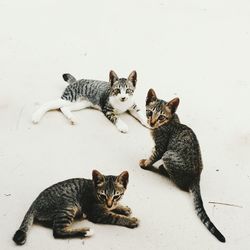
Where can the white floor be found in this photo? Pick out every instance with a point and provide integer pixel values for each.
(198, 50)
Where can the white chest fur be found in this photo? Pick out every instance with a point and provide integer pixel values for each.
(121, 107)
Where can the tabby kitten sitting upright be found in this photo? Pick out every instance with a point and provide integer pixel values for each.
(112, 98)
(96, 199)
(177, 146)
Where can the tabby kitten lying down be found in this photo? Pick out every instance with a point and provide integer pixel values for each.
(112, 98)
(177, 146)
(96, 199)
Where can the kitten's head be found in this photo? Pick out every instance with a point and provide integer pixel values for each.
(122, 89)
(109, 189)
(158, 111)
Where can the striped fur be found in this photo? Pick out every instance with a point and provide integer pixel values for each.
(177, 146)
(112, 98)
(97, 199)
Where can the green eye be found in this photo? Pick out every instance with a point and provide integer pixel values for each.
(129, 91)
(117, 91)
(162, 117)
(102, 196)
(117, 196)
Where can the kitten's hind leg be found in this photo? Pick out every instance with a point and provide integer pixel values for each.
(62, 226)
(179, 172)
(74, 107)
(67, 113)
(56, 104)
(161, 170)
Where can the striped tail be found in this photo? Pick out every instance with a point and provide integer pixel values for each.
(195, 190)
(21, 234)
(68, 78)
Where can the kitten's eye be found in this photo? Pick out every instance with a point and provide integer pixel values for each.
(149, 113)
(102, 196)
(117, 91)
(162, 117)
(129, 91)
(117, 196)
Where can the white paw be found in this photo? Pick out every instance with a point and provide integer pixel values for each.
(89, 233)
(35, 118)
(122, 127)
(73, 121)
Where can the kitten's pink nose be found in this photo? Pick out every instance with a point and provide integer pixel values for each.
(110, 203)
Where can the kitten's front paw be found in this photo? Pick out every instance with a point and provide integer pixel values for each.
(73, 121)
(144, 163)
(127, 211)
(122, 127)
(35, 118)
(133, 222)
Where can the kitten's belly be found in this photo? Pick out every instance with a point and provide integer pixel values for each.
(83, 103)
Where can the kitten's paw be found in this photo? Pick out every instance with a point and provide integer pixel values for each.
(35, 118)
(84, 216)
(133, 222)
(127, 211)
(122, 127)
(89, 232)
(144, 163)
(73, 121)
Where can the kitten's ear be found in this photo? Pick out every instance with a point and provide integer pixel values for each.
(151, 97)
(173, 104)
(97, 178)
(133, 77)
(123, 178)
(112, 77)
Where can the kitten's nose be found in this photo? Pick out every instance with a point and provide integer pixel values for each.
(152, 123)
(123, 99)
(109, 203)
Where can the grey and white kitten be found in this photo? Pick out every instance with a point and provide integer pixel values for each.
(177, 146)
(97, 200)
(112, 98)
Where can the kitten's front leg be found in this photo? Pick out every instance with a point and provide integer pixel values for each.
(104, 216)
(124, 210)
(147, 163)
(110, 114)
(137, 114)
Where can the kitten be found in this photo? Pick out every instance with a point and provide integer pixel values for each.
(96, 199)
(177, 146)
(112, 98)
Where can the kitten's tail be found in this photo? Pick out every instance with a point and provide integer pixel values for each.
(68, 78)
(195, 190)
(56, 104)
(21, 234)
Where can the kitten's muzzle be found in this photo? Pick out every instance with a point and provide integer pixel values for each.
(109, 203)
(123, 99)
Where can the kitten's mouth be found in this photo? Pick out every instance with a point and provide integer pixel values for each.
(110, 208)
